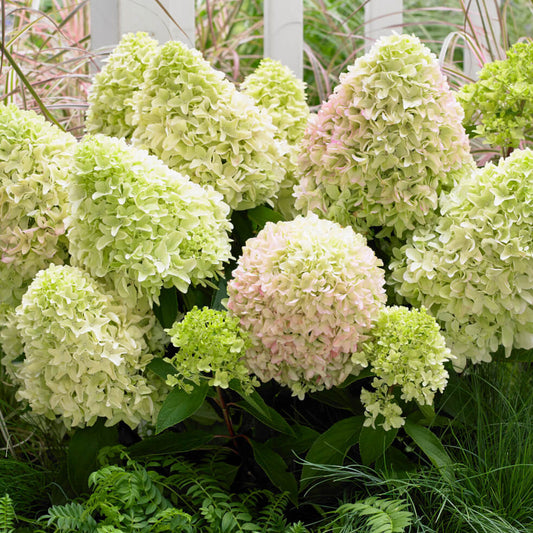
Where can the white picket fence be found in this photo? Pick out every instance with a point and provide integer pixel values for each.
(283, 24)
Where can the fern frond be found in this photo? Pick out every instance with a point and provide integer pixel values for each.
(298, 527)
(379, 515)
(71, 517)
(7, 514)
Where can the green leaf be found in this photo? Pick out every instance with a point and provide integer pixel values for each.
(256, 406)
(161, 368)
(275, 468)
(220, 295)
(429, 443)
(180, 405)
(288, 446)
(170, 443)
(374, 442)
(83, 450)
(365, 373)
(167, 310)
(332, 446)
(262, 214)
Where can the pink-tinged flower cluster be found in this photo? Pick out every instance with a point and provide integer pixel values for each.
(385, 144)
(308, 292)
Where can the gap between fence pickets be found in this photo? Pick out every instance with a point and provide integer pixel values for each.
(283, 24)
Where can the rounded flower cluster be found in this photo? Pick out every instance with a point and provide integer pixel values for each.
(473, 270)
(499, 106)
(110, 98)
(34, 160)
(210, 342)
(197, 123)
(308, 292)
(385, 144)
(141, 224)
(84, 352)
(273, 87)
(406, 351)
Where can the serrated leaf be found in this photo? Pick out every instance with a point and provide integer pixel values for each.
(179, 405)
(275, 468)
(429, 443)
(332, 446)
(374, 442)
(220, 295)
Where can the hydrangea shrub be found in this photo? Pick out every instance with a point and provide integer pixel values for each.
(274, 87)
(307, 291)
(472, 269)
(84, 352)
(197, 122)
(110, 97)
(34, 161)
(499, 106)
(140, 224)
(213, 343)
(408, 352)
(385, 144)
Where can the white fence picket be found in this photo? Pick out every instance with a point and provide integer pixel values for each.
(284, 33)
(382, 17)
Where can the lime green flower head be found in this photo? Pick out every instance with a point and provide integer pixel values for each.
(110, 98)
(406, 351)
(273, 87)
(84, 352)
(499, 106)
(213, 343)
(385, 144)
(472, 269)
(140, 224)
(35, 157)
(197, 123)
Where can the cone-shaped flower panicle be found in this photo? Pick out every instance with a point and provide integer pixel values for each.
(84, 352)
(276, 89)
(499, 106)
(141, 224)
(386, 143)
(34, 159)
(406, 351)
(197, 122)
(473, 269)
(308, 292)
(110, 98)
(211, 343)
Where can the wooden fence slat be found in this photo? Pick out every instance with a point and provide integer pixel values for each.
(382, 17)
(110, 19)
(283, 37)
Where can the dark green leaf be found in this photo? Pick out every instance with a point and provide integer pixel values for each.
(374, 442)
(256, 406)
(429, 443)
(220, 295)
(288, 446)
(161, 368)
(337, 398)
(275, 468)
(332, 446)
(179, 405)
(262, 214)
(167, 310)
(83, 450)
(365, 373)
(170, 443)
